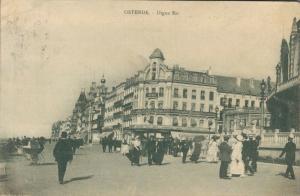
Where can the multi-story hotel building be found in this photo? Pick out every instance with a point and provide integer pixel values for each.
(167, 100)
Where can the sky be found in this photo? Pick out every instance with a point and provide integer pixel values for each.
(51, 50)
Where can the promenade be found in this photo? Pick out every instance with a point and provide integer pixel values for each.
(95, 173)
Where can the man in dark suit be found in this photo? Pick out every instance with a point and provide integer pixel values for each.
(246, 154)
(289, 151)
(184, 148)
(254, 143)
(63, 153)
(225, 157)
(150, 146)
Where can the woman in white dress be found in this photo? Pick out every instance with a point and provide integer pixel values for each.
(212, 153)
(237, 164)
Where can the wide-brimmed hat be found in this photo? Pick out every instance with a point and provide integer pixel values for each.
(240, 138)
(291, 136)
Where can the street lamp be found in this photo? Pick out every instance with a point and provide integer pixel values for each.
(209, 128)
(262, 93)
(216, 124)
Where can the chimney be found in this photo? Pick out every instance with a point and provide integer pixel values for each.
(251, 82)
(238, 81)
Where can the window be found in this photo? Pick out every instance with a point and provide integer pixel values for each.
(146, 104)
(145, 118)
(201, 107)
(201, 123)
(175, 121)
(183, 105)
(211, 108)
(160, 104)
(184, 93)
(230, 102)
(193, 94)
(237, 103)
(252, 104)
(202, 95)
(193, 106)
(246, 103)
(153, 75)
(211, 96)
(175, 92)
(147, 90)
(153, 90)
(161, 91)
(222, 101)
(193, 122)
(152, 104)
(175, 105)
(184, 122)
(151, 120)
(159, 120)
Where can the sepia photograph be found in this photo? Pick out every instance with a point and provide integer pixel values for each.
(149, 98)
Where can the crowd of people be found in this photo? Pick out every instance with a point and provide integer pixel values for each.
(238, 153)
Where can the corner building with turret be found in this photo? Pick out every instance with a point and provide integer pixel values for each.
(172, 101)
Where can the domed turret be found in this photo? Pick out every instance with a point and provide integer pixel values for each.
(157, 53)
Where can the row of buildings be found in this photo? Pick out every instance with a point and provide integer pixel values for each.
(170, 101)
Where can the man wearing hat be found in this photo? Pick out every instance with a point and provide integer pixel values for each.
(225, 157)
(63, 153)
(184, 148)
(150, 146)
(289, 151)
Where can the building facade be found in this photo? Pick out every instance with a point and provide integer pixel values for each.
(174, 100)
(284, 101)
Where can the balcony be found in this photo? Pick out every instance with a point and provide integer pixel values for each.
(171, 112)
(152, 95)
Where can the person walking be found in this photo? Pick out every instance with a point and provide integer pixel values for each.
(196, 151)
(150, 146)
(289, 151)
(110, 144)
(246, 155)
(254, 143)
(225, 157)
(63, 154)
(104, 143)
(212, 153)
(237, 164)
(184, 148)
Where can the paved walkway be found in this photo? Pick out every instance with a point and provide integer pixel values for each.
(95, 173)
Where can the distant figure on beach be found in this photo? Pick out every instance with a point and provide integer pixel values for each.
(63, 153)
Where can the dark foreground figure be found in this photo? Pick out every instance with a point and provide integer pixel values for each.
(63, 153)
(289, 151)
(225, 157)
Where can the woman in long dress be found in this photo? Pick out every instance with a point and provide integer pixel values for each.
(212, 153)
(237, 164)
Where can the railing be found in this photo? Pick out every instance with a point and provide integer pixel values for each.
(278, 139)
(151, 95)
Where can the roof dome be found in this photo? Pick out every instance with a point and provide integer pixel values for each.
(157, 53)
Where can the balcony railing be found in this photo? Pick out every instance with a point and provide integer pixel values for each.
(151, 95)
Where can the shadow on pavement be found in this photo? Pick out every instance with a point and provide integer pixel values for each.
(281, 174)
(78, 178)
(41, 164)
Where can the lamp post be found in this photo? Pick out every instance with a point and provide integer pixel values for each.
(209, 128)
(216, 124)
(262, 93)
